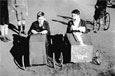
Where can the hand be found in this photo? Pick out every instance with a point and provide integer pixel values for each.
(34, 32)
(82, 29)
(44, 32)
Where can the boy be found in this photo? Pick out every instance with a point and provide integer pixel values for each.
(41, 26)
(76, 26)
(21, 9)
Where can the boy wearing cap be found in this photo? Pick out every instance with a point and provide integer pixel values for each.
(40, 26)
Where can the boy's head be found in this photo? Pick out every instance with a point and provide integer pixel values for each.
(75, 14)
(40, 16)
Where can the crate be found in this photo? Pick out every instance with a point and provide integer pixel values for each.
(37, 49)
(80, 53)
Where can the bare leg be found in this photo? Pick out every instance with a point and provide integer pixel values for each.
(6, 32)
(78, 35)
(2, 30)
(23, 27)
(83, 29)
(6, 29)
(19, 26)
(101, 21)
(3, 34)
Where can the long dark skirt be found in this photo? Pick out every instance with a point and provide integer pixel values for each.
(4, 16)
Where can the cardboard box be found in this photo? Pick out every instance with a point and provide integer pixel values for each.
(81, 53)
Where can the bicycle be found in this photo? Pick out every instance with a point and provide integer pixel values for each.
(106, 21)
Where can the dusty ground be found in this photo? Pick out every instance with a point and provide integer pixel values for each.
(104, 39)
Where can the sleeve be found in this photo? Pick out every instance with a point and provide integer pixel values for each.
(69, 27)
(46, 27)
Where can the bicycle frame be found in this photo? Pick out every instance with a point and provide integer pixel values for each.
(105, 23)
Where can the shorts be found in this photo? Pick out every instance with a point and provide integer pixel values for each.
(20, 13)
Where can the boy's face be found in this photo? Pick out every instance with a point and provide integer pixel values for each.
(40, 19)
(75, 16)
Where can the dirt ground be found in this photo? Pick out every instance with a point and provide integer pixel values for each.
(105, 40)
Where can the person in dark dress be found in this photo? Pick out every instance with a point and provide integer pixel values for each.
(4, 20)
(100, 9)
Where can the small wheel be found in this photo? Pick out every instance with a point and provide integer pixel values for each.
(18, 65)
(97, 59)
(107, 21)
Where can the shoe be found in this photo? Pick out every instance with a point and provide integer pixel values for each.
(50, 62)
(7, 38)
(58, 65)
(4, 39)
(96, 61)
(95, 31)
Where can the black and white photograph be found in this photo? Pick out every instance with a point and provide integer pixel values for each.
(57, 37)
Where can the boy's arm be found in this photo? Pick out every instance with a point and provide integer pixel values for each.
(43, 32)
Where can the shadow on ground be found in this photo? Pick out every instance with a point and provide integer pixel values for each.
(12, 27)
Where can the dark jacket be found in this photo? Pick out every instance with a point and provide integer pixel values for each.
(35, 26)
(100, 8)
(102, 4)
(70, 23)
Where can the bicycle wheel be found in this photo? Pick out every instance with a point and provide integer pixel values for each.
(96, 26)
(106, 21)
